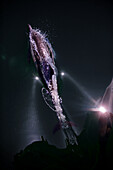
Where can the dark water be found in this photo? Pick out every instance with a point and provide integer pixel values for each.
(81, 34)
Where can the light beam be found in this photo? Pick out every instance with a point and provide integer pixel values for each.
(81, 88)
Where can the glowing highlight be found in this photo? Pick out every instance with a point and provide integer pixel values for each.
(62, 73)
(36, 78)
(102, 109)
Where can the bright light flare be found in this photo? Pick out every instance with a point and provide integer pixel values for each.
(62, 73)
(36, 78)
(102, 109)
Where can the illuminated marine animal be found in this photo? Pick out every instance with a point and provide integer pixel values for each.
(43, 56)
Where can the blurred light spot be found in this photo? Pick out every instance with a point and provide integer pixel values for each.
(102, 109)
(62, 73)
(36, 78)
